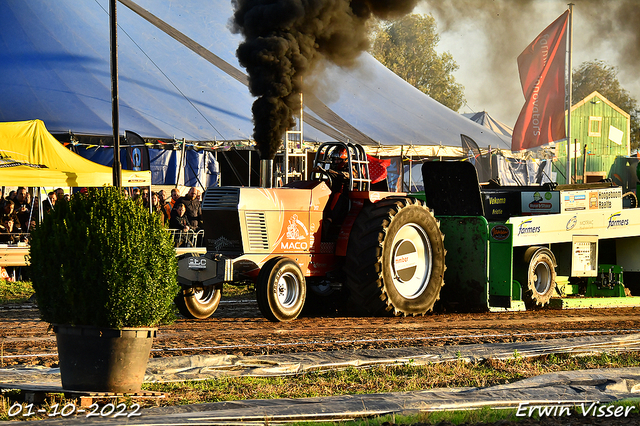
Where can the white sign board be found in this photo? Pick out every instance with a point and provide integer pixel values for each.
(575, 149)
(615, 135)
(584, 259)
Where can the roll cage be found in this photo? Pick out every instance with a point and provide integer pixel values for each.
(357, 167)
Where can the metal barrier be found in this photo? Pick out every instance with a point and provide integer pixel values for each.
(16, 252)
(180, 238)
(187, 238)
(14, 239)
(14, 249)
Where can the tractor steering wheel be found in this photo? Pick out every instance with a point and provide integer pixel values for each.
(327, 176)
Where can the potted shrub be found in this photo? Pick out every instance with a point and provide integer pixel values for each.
(104, 275)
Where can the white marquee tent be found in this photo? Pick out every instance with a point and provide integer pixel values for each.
(54, 57)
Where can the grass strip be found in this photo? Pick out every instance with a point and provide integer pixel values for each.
(21, 291)
(15, 292)
(379, 379)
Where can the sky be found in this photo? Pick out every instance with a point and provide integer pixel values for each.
(485, 38)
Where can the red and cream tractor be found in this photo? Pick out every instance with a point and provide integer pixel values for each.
(303, 241)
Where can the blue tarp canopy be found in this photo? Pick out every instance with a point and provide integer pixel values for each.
(54, 62)
(194, 168)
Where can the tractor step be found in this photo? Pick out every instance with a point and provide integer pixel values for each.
(594, 302)
(516, 305)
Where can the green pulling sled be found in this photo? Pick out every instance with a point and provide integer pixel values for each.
(517, 248)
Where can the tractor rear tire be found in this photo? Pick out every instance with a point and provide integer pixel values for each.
(537, 276)
(281, 289)
(198, 302)
(395, 258)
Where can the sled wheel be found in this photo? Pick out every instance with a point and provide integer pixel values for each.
(395, 259)
(538, 276)
(281, 290)
(198, 302)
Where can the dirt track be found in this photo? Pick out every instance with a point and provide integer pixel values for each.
(239, 328)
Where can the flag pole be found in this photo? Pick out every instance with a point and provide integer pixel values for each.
(115, 115)
(570, 97)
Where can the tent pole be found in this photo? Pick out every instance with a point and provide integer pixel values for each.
(584, 164)
(410, 172)
(401, 186)
(40, 208)
(197, 173)
(490, 165)
(219, 178)
(181, 162)
(115, 120)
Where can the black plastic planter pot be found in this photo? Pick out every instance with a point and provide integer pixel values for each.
(103, 359)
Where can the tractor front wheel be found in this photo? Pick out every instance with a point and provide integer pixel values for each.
(198, 302)
(281, 289)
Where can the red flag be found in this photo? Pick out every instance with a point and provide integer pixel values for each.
(377, 169)
(542, 75)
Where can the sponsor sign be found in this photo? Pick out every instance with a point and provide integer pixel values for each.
(500, 233)
(617, 221)
(197, 263)
(405, 260)
(500, 205)
(496, 205)
(296, 235)
(610, 198)
(527, 227)
(583, 200)
(574, 201)
(540, 202)
(223, 243)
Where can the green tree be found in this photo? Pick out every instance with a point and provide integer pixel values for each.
(598, 75)
(408, 48)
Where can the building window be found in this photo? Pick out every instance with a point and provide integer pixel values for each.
(595, 126)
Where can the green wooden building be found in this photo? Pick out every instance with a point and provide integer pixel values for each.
(602, 130)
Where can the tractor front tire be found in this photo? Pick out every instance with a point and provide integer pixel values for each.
(198, 302)
(281, 289)
(395, 258)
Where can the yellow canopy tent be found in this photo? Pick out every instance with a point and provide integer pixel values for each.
(21, 175)
(29, 144)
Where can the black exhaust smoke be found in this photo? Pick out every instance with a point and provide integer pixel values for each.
(285, 39)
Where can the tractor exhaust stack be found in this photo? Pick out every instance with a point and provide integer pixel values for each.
(266, 173)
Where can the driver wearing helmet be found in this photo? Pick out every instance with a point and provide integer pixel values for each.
(338, 204)
(338, 170)
(339, 157)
